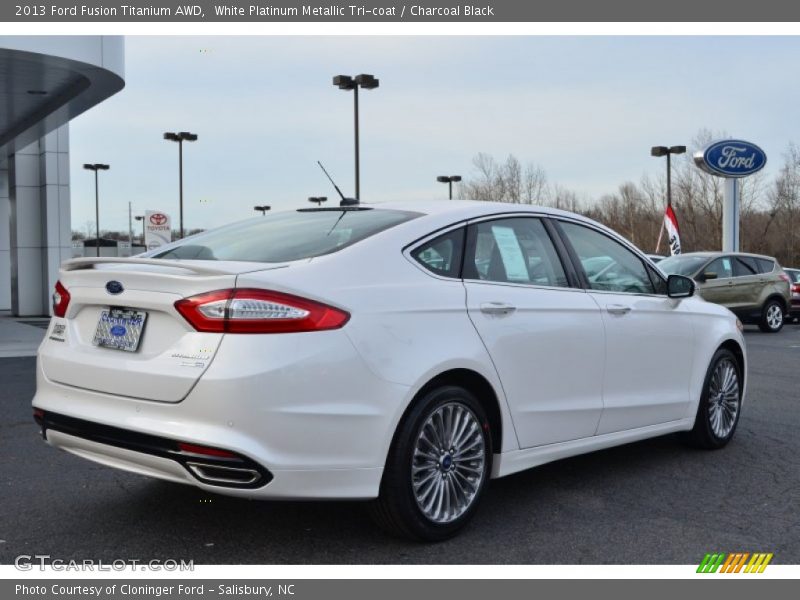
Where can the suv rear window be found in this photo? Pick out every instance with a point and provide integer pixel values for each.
(286, 236)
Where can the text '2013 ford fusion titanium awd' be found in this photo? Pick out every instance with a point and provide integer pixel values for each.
(402, 353)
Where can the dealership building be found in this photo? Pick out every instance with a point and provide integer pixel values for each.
(44, 82)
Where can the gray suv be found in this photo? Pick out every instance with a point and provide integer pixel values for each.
(754, 287)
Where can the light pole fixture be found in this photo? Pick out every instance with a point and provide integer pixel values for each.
(345, 82)
(668, 152)
(449, 180)
(180, 137)
(262, 209)
(141, 218)
(318, 200)
(96, 167)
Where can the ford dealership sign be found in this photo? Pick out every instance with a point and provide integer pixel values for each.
(731, 158)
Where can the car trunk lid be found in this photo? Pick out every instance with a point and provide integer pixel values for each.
(171, 355)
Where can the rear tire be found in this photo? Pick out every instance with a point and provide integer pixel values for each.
(437, 468)
(772, 317)
(720, 404)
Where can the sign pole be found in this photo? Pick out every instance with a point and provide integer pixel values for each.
(730, 215)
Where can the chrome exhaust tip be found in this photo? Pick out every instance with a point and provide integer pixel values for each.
(219, 475)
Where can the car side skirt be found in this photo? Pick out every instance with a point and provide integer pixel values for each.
(520, 460)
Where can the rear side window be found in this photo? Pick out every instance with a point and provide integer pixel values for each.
(516, 250)
(744, 266)
(442, 255)
(286, 236)
(765, 265)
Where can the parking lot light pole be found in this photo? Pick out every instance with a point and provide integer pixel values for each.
(141, 218)
(449, 180)
(262, 209)
(96, 167)
(668, 152)
(318, 200)
(345, 82)
(180, 137)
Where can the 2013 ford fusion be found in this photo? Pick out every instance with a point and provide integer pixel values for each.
(404, 353)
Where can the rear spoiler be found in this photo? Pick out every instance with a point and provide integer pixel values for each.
(76, 264)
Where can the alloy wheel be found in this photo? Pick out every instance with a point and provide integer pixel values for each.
(448, 463)
(723, 398)
(774, 316)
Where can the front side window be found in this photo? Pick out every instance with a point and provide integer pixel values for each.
(516, 250)
(442, 255)
(721, 267)
(621, 270)
(287, 236)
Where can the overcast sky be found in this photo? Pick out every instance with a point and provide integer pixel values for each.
(587, 109)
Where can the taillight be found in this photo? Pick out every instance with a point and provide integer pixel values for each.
(796, 288)
(60, 300)
(785, 277)
(248, 310)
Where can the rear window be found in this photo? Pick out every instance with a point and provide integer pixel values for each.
(287, 236)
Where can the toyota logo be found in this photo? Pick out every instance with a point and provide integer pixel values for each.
(158, 219)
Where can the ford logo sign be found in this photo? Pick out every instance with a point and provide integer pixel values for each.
(731, 158)
(114, 287)
(118, 331)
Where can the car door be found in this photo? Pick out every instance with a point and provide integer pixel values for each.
(544, 336)
(747, 282)
(719, 288)
(649, 336)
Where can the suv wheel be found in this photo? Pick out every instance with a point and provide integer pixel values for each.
(771, 317)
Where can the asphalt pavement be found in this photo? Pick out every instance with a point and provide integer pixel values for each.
(655, 502)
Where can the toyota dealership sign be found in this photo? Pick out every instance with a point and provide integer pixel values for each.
(157, 229)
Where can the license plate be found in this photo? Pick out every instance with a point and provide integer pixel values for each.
(120, 329)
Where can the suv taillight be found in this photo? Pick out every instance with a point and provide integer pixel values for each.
(60, 300)
(249, 310)
(785, 277)
(796, 288)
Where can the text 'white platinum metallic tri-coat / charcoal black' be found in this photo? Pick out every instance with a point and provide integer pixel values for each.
(404, 353)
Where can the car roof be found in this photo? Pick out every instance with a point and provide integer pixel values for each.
(440, 213)
(715, 254)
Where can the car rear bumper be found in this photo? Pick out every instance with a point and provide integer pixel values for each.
(308, 432)
(794, 309)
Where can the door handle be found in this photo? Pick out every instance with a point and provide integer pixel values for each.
(497, 308)
(618, 309)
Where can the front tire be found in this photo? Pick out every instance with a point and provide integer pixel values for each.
(437, 467)
(772, 317)
(720, 404)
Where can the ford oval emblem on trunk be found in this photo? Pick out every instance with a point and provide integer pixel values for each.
(731, 158)
(114, 287)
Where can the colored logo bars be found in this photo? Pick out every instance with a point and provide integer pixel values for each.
(735, 562)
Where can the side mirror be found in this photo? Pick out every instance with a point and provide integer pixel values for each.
(679, 286)
(709, 275)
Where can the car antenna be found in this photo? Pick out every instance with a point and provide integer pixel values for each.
(345, 201)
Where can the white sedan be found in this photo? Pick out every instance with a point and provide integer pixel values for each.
(403, 352)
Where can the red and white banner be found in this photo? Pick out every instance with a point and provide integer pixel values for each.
(673, 233)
